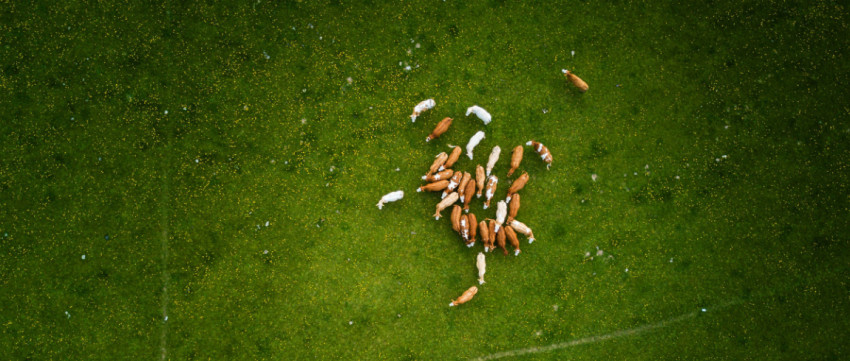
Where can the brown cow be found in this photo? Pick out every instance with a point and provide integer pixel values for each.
(434, 187)
(455, 217)
(513, 208)
(580, 84)
(542, 151)
(467, 195)
(500, 240)
(473, 226)
(441, 128)
(509, 231)
(463, 229)
(485, 234)
(516, 158)
(445, 174)
(517, 185)
(437, 165)
(465, 297)
(452, 157)
(479, 179)
(453, 183)
(462, 185)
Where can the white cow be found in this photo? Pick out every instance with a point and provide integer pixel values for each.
(390, 197)
(473, 142)
(482, 267)
(480, 112)
(421, 107)
(494, 157)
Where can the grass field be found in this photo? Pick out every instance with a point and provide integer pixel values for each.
(214, 164)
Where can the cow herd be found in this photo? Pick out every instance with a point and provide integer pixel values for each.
(457, 189)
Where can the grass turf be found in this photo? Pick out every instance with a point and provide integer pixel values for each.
(157, 140)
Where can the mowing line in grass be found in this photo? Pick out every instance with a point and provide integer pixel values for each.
(163, 220)
(600, 338)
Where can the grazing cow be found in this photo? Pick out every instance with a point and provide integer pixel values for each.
(501, 212)
(465, 297)
(517, 185)
(421, 107)
(480, 113)
(485, 235)
(492, 234)
(456, 218)
(467, 195)
(580, 84)
(542, 151)
(494, 157)
(441, 128)
(461, 188)
(516, 158)
(522, 228)
(463, 228)
(491, 190)
(479, 179)
(449, 200)
(434, 187)
(453, 183)
(473, 229)
(437, 165)
(445, 174)
(473, 142)
(500, 240)
(390, 197)
(481, 263)
(452, 157)
(509, 231)
(513, 208)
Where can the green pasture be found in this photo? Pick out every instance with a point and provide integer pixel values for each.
(219, 164)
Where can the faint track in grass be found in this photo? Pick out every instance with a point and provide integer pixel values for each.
(166, 277)
(600, 338)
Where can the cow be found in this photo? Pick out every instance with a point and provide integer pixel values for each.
(437, 165)
(580, 84)
(516, 158)
(434, 187)
(492, 182)
(485, 235)
(480, 113)
(509, 231)
(481, 263)
(493, 235)
(455, 217)
(463, 228)
(441, 128)
(461, 188)
(501, 212)
(445, 174)
(479, 179)
(517, 185)
(465, 297)
(500, 240)
(494, 157)
(542, 151)
(421, 107)
(453, 183)
(473, 226)
(449, 200)
(513, 208)
(522, 228)
(452, 157)
(467, 195)
(390, 197)
(473, 142)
